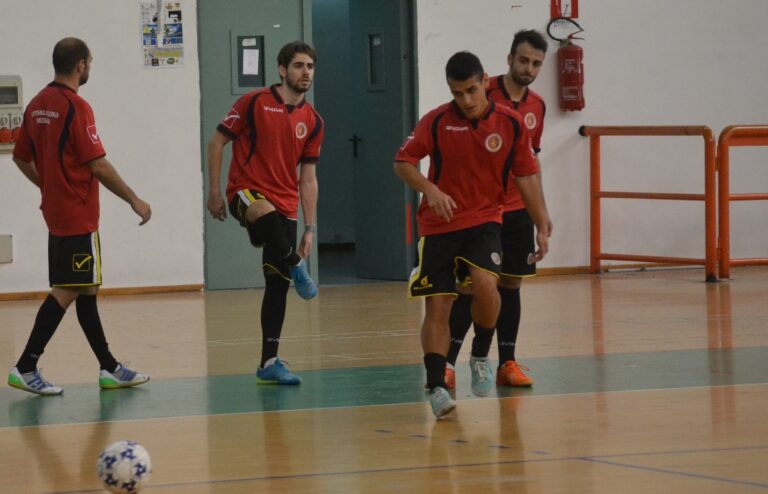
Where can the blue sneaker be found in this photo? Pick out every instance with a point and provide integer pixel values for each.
(482, 375)
(276, 373)
(303, 284)
(441, 401)
(32, 382)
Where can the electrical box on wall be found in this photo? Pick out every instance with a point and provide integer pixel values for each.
(6, 248)
(11, 113)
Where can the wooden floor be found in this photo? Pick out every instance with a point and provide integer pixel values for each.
(645, 382)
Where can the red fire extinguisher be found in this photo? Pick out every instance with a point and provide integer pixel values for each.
(570, 68)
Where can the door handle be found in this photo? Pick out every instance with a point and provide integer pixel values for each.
(355, 139)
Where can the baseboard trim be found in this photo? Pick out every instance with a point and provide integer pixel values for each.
(138, 290)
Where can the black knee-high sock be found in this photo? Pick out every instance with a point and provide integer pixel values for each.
(48, 318)
(88, 316)
(459, 322)
(481, 343)
(508, 324)
(272, 315)
(435, 365)
(270, 228)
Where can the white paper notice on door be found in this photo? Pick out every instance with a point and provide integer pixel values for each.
(250, 62)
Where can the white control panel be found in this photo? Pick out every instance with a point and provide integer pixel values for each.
(11, 110)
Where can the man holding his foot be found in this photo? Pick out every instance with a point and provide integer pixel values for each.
(273, 130)
(59, 151)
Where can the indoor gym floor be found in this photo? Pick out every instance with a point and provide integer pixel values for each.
(645, 382)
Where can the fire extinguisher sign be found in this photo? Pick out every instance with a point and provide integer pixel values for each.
(564, 8)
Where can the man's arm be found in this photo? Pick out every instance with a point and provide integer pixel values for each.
(108, 176)
(440, 203)
(29, 170)
(308, 191)
(533, 196)
(216, 205)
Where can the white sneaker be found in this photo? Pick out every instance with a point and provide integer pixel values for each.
(482, 375)
(32, 382)
(123, 377)
(441, 401)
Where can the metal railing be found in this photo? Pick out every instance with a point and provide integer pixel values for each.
(709, 196)
(735, 135)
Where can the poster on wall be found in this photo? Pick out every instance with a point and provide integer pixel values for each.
(161, 33)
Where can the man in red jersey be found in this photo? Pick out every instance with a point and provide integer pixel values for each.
(273, 130)
(525, 60)
(59, 151)
(476, 149)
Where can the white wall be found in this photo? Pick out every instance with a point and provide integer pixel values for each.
(149, 122)
(650, 62)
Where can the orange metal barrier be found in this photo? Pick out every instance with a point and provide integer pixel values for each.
(709, 198)
(735, 135)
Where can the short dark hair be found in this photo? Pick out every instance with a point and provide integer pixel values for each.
(67, 53)
(290, 50)
(532, 37)
(463, 66)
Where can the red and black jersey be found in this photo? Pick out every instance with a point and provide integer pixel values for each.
(532, 108)
(270, 139)
(59, 135)
(471, 161)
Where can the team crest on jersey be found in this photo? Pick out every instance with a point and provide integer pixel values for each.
(301, 130)
(530, 120)
(93, 134)
(231, 118)
(493, 142)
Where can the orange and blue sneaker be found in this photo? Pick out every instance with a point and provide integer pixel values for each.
(511, 374)
(276, 373)
(450, 376)
(32, 382)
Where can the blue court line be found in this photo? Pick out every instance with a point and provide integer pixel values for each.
(675, 472)
(389, 385)
(341, 473)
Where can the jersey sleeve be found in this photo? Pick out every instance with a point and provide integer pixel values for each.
(311, 153)
(536, 134)
(84, 136)
(419, 143)
(524, 162)
(236, 121)
(22, 149)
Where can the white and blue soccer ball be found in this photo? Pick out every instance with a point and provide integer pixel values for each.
(124, 467)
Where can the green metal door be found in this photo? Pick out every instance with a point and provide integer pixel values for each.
(230, 260)
(382, 87)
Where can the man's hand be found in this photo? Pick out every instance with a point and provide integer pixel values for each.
(440, 203)
(216, 206)
(305, 246)
(142, 209)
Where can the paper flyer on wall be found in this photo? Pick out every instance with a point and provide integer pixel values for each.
(162, 34)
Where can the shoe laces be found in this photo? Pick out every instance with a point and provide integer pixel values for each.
(515, 366)
(37, 381)
(481, 368)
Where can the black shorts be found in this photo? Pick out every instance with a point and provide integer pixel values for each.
(74, 260)
(517, 244)
(444, 259)
(271, 260)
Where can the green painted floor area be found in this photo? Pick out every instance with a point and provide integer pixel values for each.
(83, 403)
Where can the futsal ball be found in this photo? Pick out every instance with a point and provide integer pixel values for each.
(124, 467)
